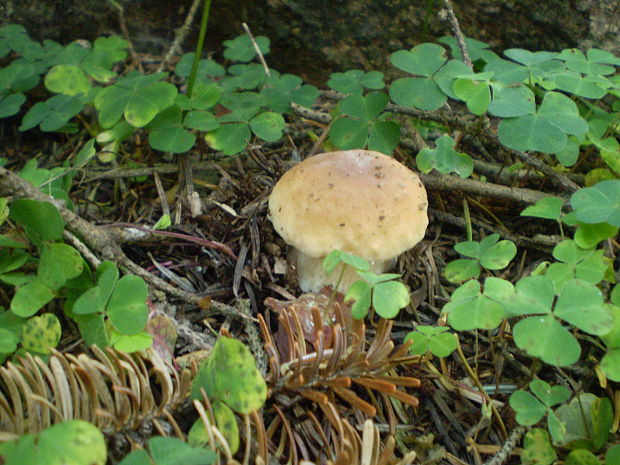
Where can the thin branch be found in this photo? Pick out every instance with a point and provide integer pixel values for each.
(125, 31)
(474, 128)
(180, 36)
(520, 195)
(508, 447)
(82, 248)
(104, 242)
(536, 241)
(256, 48)
(458, 34)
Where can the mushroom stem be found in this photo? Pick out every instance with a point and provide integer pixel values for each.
(312, 276)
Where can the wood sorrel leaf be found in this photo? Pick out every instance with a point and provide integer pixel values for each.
(544, 337)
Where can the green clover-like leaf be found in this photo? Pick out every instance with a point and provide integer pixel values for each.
(52, 114)
(360, 292)
(470, 308)
(281, 90)
(241, 48)
(131, 342)
(445, 159)
(389, 297)
(595, 62)
(138, 97)
(581, 304)
(549, 395)
(547, 129)
(227, 423)
(58, 264)
(437, 339)
(206, 67)
(422, 93)
(599, 203)
(528, 408)
(168, 134)
(589, 236)
(335, 257)
(355, 80)
(8, 341)
(364, 107)
(67, 79)
(348, 133)
(127, 307)
(461, 270)
(548, 207)
(41, 220)
(42, 333)
(544, 337)
(201, 120)
(30, 297)
(423, 60)
(229, 138)
(510, 102)
(533, 295)
(268, 126)
(230, 375)
(537, 448)
(95, 299)
(475, 92)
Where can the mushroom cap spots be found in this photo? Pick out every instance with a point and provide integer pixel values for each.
(358, 201)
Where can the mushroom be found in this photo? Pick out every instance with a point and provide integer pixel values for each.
(358, 201)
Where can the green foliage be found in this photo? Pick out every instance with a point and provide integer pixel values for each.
(40, 220)
(540, 101)
(423, 91)
(544, 130)
(386, 295)
(445, 159)
(530, 408)
(364, 124)
(355, 81)
(435, 339)
(73, 442)
(599, 203)
(114, 310)
(489, 253)
(577, 302)
(111, 311)
(475, 91)
(574, 262)
(232, 382)
(41, 333)
(282, 90)
(207, 68)
(537, 448)
(230, 361)
(583, 423)
(610, 363)
(612, 456)
(471, 308)
(82, 73)
(241, 48)
(135, 97)
(169, 451)
(549, 208)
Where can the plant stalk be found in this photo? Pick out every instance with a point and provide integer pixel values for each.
(199, 47)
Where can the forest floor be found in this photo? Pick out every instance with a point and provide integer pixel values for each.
(220, 265)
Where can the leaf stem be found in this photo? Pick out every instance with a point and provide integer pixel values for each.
(483, 393)
(199, 47)
(470, 235)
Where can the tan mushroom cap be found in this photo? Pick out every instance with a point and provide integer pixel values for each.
(358, 201)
